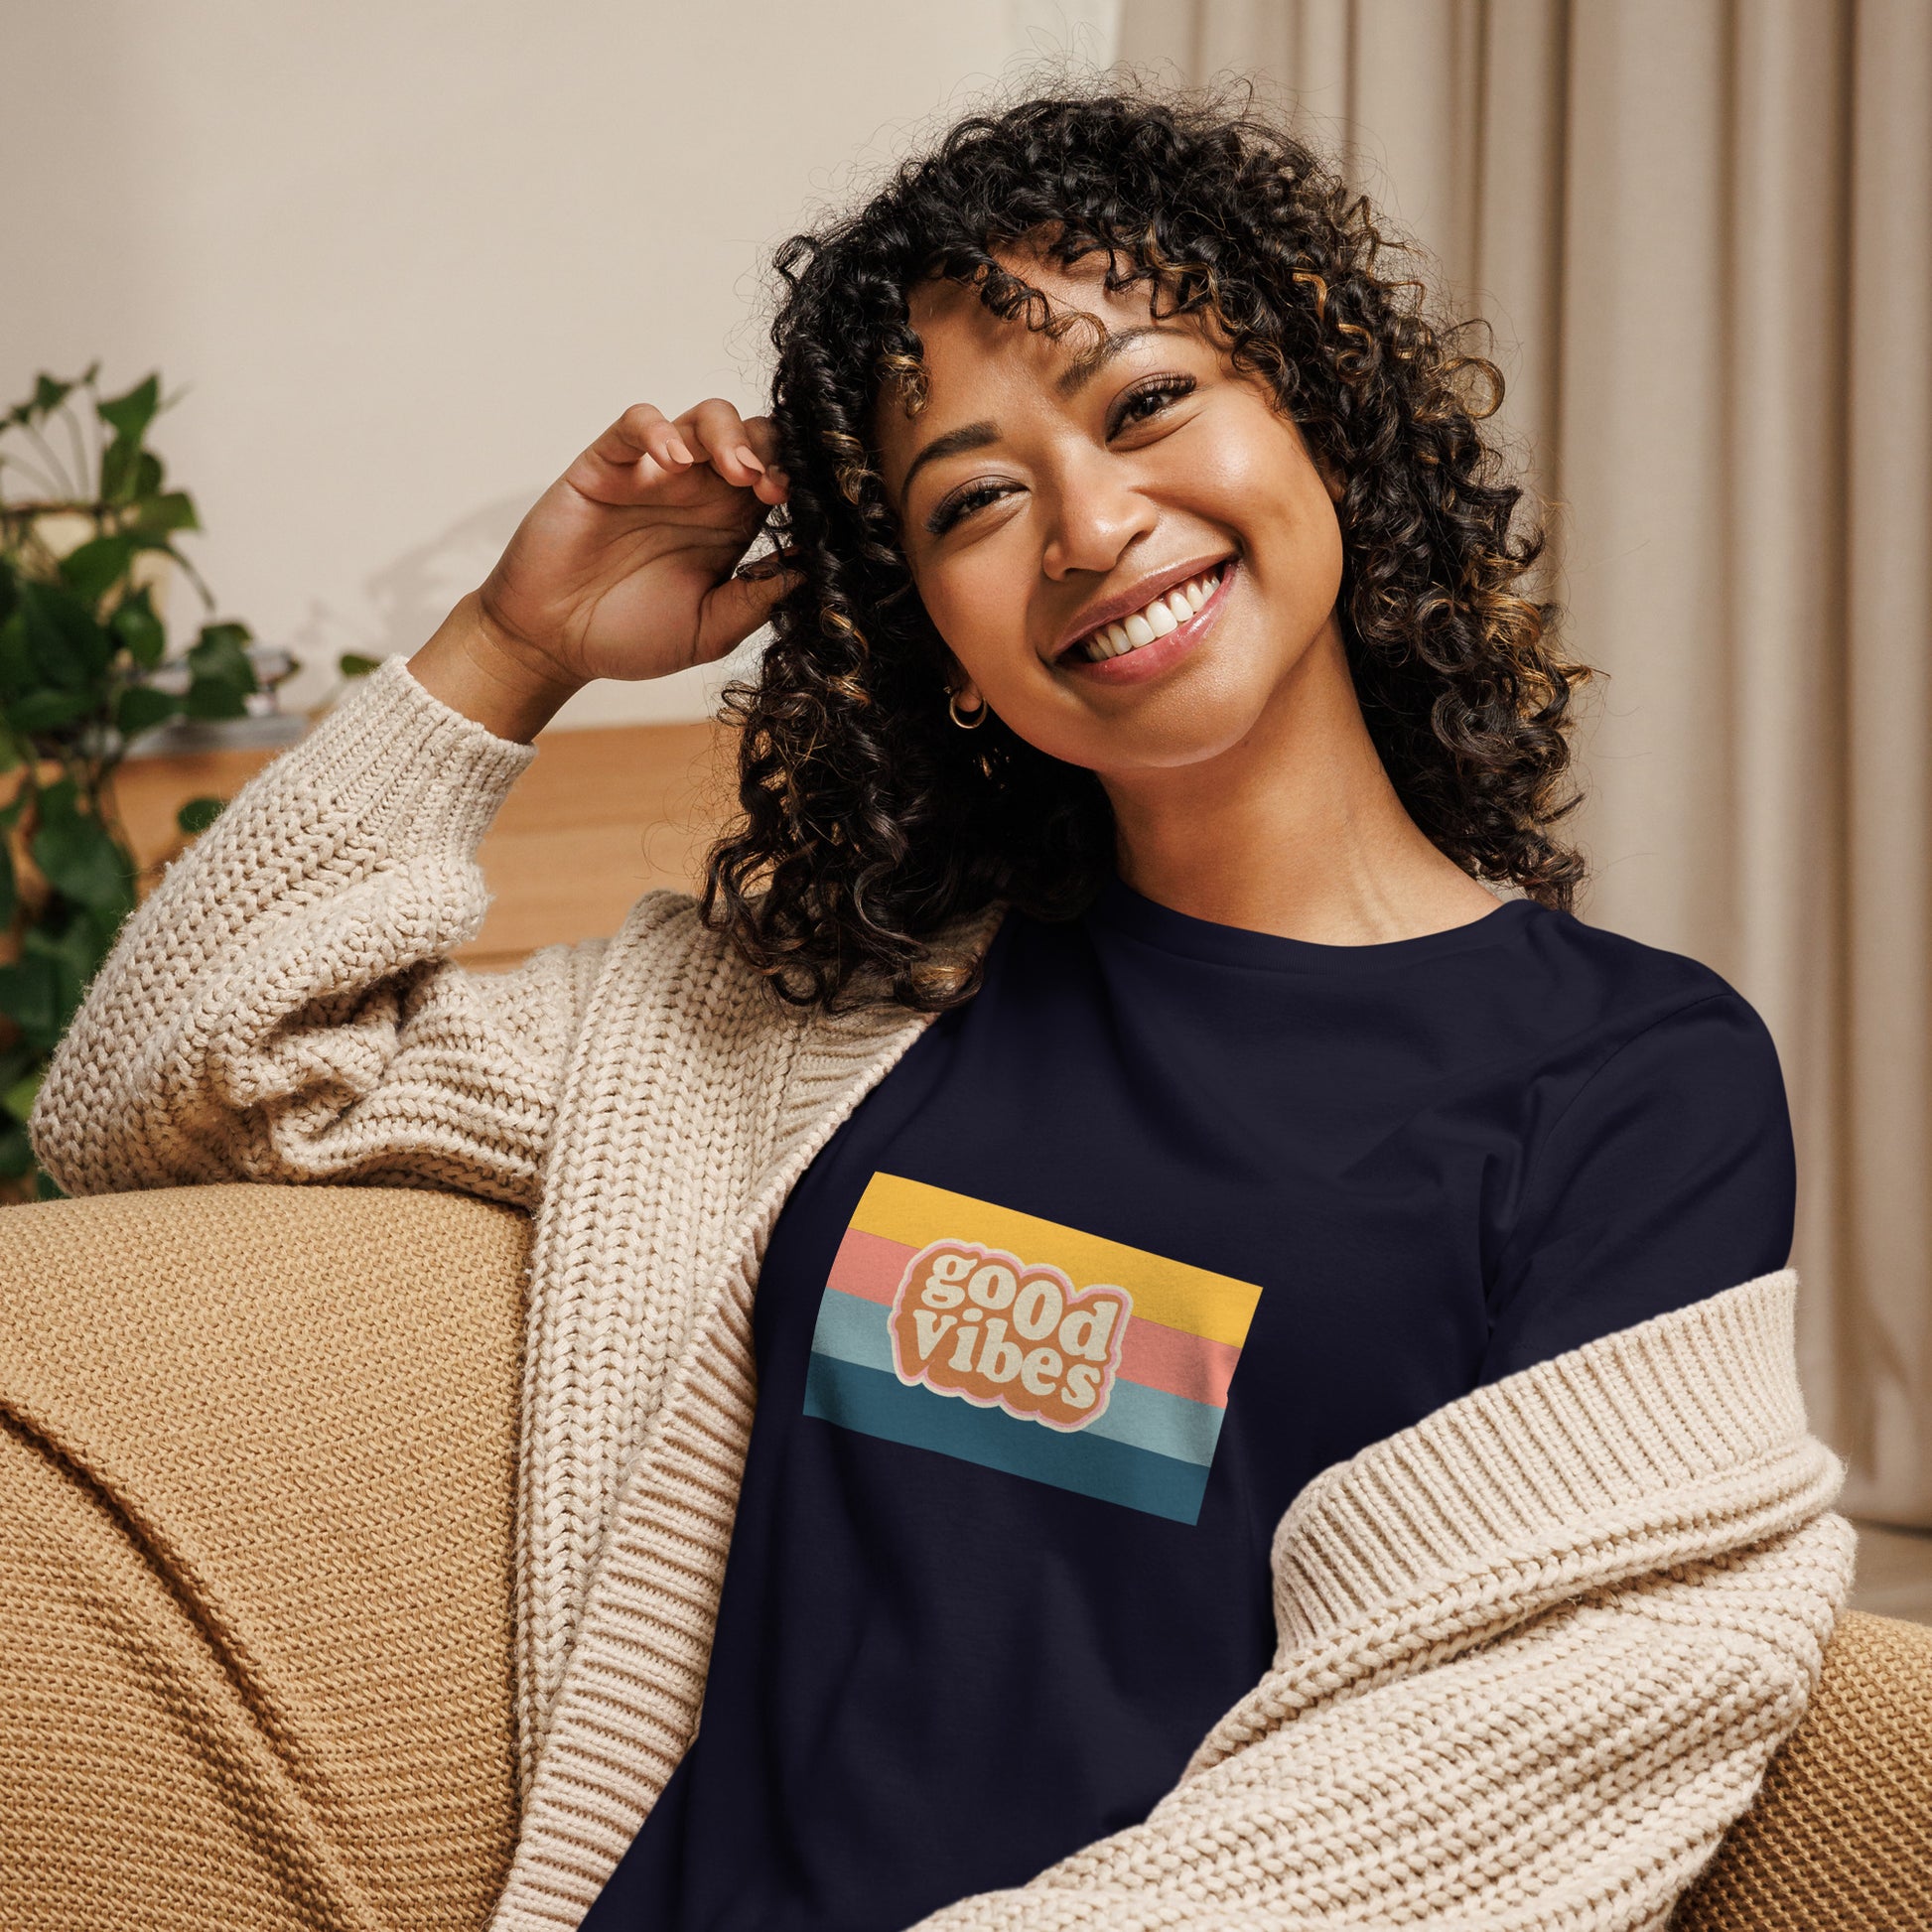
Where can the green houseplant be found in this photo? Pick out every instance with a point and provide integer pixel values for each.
(87, 538)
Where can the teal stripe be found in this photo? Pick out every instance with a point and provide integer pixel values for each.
(852, 1330)
(879, 1404)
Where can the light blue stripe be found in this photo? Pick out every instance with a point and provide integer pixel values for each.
(1164, 1423)
(880, 1405)
(852, 1330)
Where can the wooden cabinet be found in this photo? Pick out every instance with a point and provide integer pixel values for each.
(602, 816)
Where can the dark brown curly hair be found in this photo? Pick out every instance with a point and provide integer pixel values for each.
(868, 823)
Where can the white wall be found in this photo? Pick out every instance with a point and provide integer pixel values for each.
(406, 259)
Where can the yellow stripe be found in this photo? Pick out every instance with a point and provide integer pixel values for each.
(1167, 1291)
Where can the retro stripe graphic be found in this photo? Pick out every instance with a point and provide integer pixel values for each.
(958, 1326)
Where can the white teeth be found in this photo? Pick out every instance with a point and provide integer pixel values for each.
(1165, 613)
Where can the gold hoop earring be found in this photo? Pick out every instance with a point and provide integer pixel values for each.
(970, 723)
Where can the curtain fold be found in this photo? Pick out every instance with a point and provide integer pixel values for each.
(1702, 233)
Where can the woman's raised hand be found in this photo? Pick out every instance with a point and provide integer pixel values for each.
(623, 568)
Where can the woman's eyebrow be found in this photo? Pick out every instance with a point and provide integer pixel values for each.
(955, 441)
(1085, 367)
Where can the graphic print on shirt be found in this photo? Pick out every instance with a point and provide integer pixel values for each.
(956, 1324)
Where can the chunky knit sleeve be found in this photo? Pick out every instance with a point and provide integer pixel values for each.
(282, 1006)
(1535, 1655)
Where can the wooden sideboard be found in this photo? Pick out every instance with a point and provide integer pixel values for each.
(602, 816)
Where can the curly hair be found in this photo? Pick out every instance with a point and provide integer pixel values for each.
(867, 823)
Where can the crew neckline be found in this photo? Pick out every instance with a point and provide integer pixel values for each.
(1131, 914)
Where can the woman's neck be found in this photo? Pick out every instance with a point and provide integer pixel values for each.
(1295, 830)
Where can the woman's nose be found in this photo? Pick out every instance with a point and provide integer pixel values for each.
(1093, 513)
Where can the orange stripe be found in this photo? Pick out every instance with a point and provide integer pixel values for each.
(871, 1267)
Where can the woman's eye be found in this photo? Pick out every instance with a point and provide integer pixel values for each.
(1139, 405)
(961, 503)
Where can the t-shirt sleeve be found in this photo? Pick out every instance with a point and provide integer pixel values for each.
(1669, 1178)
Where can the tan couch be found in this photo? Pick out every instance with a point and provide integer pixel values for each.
(255, 1576)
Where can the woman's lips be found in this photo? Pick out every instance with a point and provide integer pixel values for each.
(1150, 660)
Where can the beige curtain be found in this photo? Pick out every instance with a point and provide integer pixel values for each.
(1703, 233)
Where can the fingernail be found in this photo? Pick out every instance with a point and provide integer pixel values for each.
(745, 457)
(677, 450)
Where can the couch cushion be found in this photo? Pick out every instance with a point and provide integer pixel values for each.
(256, 1505)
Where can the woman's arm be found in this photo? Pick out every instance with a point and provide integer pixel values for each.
(1536, 1653)
(282, 1006)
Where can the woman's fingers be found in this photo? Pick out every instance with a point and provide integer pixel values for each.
(763, 435)
(735, 608)
(720, 436)
(637, 451)
(644, 445)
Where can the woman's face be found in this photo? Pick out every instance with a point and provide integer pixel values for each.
(1058, 501)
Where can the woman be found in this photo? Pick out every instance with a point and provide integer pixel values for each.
(1272, 1361)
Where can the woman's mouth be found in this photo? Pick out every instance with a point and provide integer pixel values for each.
(1146, 640)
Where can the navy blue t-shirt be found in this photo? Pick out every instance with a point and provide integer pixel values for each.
(1166, 1220)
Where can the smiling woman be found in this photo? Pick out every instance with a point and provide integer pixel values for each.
(1150, 1352)
(1073, 361)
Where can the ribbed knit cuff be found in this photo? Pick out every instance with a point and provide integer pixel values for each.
(1622, 1422)
(407, 766)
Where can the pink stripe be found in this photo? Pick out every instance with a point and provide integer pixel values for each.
(869, 1267)
(1182, 1364)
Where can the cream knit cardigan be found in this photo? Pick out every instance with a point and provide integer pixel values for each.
(1534, 1652)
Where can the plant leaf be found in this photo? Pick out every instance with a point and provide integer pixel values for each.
(94, 568)
(214, 697)
(16, 671)
(120, 470)
(46, 711)
(136, 626)
(222, 650)
(72, 955)
(223, 677)
(18, 1099)
(30, 995)
(16, 1154)
(48, 395)
(173, 511)
(141, 707)
(199, 814)
(129, 415)
(69, 648)
(79, 857)
(350, 664)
